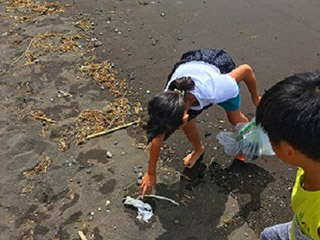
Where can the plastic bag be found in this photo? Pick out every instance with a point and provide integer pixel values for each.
(145, 211)
(249, 141)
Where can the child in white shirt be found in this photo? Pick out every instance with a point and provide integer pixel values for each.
(201, 78)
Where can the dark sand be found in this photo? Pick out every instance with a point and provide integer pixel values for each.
(219, 198)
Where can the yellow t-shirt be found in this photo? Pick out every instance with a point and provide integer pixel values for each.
(306, 207)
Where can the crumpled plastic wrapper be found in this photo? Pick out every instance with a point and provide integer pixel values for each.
(145, 211)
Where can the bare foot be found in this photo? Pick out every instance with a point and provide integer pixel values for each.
(191, 159)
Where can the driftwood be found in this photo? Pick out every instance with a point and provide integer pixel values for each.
(111, 130)
(81, 235)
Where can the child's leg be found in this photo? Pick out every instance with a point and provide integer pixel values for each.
(236, 117)
(192, 134)
(277, 232)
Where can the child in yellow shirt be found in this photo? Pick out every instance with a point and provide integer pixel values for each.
(290, 114)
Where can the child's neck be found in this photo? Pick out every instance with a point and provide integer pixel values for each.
(311, 180)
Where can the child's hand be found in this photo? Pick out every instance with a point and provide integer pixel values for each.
(256, 100)
(148, 182)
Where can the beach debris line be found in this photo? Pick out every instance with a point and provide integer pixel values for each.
(48, 43)
(26, 10)
(39, 115)
(105, 75)
(145, 211)
(39, 169)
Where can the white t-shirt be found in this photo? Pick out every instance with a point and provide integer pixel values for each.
(210, 85)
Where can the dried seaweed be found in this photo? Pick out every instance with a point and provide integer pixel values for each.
(50, 42)
(26, 10)
(39, 169)
(94, 121)
(104, 75)
(83, 24)
(27, 189)
(38, 115)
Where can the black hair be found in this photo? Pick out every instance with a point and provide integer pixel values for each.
(167, 108)
(290, 111)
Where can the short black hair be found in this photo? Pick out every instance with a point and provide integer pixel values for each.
(290, 111)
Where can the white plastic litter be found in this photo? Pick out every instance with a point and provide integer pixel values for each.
(249, 141)
(145, 211)
(162, 198)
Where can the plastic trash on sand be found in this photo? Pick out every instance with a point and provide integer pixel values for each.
(249, 141)
(145, 211)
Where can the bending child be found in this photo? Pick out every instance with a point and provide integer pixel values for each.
(201, 78)
(290, 114)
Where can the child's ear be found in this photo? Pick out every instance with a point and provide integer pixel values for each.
(290, 152)
(185, 117)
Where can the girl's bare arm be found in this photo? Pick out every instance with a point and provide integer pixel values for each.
(244, 73)
(149, 180)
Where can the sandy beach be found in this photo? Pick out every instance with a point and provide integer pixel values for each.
(75, 79)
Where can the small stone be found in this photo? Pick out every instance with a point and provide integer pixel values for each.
(154, 42)
(123, 153)
(246, 234)
(70, 164)
(138, 182)
(89, 170)
(215, 148)
(162, 14)
(221, 121)
(179, 38)
(102, 87)
(131, 76)
(116, 30)
(135, 169)
(92, 213)
(90, 218)
(148, 92)
(97, 44)
(140, 175)
(108, 203)
(107, 210)
(176, 221)
(99, 209)
(109, 154)
(115, 142)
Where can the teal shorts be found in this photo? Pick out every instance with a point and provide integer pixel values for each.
(232, 104)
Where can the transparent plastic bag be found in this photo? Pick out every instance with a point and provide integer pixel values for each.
(249, 141)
